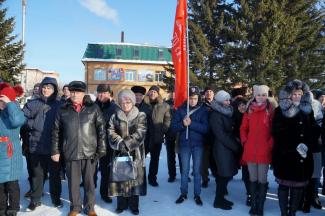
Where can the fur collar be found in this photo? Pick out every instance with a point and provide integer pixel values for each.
(289, 109)
(227, 111)
(147, 100)
(131, 116)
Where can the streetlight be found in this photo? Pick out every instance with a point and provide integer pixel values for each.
(24, 2)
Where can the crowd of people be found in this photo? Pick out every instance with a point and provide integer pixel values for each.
(75, 137)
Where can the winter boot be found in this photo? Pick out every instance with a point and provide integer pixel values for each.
(219, 201)
(295, 197)
(262, 190)
(307, 197)
(283, 196)
(253, 192)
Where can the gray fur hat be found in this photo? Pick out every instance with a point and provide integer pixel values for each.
(285, 94)
(126, 93)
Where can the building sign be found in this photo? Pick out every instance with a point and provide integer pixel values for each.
(145, 76)
(115, 74)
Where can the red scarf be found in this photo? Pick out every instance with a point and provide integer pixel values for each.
(77, 107)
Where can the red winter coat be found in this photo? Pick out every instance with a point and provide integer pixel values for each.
(255, 134)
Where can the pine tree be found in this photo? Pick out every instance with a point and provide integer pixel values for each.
(11, 50)
(276, 41)
(207, 38)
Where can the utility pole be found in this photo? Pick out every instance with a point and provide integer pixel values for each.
(23, 35)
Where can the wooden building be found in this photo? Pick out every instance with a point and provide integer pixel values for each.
(123, 65)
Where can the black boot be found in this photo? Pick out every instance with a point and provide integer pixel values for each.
(248, 195)
(295, 197)
(307, 197)
(220, 201)
(283, 196)
(181, 198)
(262, 190)
(253, 192)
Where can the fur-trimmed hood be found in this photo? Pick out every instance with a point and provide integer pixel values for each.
(288, 108)
(160, 100)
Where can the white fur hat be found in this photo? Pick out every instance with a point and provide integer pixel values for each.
(222, 96)
(260, 89)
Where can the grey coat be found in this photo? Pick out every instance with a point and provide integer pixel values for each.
(160, 120)
(226, 149)
(129, 131)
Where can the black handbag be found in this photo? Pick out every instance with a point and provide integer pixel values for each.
(122, 168)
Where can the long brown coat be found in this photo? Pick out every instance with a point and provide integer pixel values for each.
(130, 130)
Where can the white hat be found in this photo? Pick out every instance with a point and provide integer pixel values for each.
(260, 89)
(221, 96)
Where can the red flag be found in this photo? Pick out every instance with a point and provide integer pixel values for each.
(179, 53)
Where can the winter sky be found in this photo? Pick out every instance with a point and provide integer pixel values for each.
(58, 31)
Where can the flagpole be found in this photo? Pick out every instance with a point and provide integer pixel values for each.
(187, 72)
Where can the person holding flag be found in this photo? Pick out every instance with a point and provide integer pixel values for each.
(198, 125)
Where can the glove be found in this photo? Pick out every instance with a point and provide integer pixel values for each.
(123, 148)
(302, 149)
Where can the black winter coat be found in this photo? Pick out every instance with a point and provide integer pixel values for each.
(226, 149)
(129, 131)
(40, 114)
(288, 133)
(83, 134)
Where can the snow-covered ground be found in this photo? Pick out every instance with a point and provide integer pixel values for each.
(161, 200)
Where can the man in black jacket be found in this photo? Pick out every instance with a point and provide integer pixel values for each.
(40, 114)
(79, 136)
(108, 107)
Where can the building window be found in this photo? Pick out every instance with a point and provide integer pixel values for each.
(160, 54)
(99, 74)
(145, 76)
(159, 76)
(114, 73)
(118, 52)
(136, 53)
(130, 75)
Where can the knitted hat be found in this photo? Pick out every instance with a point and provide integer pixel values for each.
(139, 89)
(207, 88)
(154, 88)
(77, 86)
(11, 92)
(260, 89)
(221, 96)
(126, 93)
(104, 88)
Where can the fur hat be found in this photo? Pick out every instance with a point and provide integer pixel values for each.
(154, 88)
(222, 96)
(77, 86)
(126, 93)
(11, 92)
(139, 89)
(260, 89)
(285, 94)
(194, 90)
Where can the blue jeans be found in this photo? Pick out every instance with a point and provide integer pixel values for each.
(186, 153)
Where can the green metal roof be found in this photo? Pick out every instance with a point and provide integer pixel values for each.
(128, 53)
